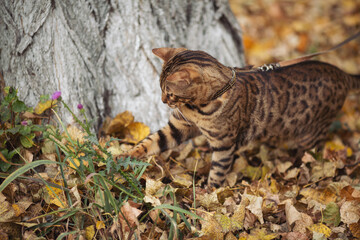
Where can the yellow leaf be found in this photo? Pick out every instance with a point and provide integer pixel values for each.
(224, 222)
(320, 228)
(237, 220)
(324, 196)
(57, 197)
(100, 225)
(261, 234)
(337, 145)
(41, 107)
(17, 210)
(75, 162)
(121, 121)
(89, 232)
(136, 132)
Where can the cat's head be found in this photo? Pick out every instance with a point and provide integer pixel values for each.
(185, 77)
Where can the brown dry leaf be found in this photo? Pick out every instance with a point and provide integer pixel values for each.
(43, 106)
(255, 206)
(294, 236)
(183, 180)
(135, 132)
(283, 166)
(121, 121)
(130, 213)
(347, 193)
(209, 201)
(30, 235)
(27, 155)
(292, 214)
(7, 212)
(231, 178)
(75, 134)
(153, 200)
(211, 228)
(292, 173)
(230, 236)
(48, 146)
(152, 186)
(21, 206)
(303, 223)
(322, 170)
(355, 229)
(350, 212)
(308, 158)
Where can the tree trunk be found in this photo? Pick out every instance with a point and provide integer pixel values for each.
(98, 52)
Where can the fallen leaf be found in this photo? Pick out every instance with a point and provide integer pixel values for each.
(56, 196)
(224, 221)
(211, 228)
(332, 214)
(89, 232)
(121, 121)
(130, 213)
(255, 206)
(152, 186)
(261, 234)
(135, 132)
(43, 106)
(322, 170)
(320, 228)
(292, 215)
(209, 201)
(355, 229)
(303, 223)
(350, 212)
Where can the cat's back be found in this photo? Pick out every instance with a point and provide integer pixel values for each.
(308, 72)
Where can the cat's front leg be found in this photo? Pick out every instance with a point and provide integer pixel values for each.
(175, 132)
(222, 160)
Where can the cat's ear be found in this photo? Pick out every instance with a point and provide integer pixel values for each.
(167, 53)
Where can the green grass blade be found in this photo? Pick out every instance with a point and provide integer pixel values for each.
(23, 170)
(61, 236)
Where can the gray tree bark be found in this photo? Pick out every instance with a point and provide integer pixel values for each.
(98, 52)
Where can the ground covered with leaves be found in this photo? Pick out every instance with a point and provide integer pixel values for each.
(67, 182)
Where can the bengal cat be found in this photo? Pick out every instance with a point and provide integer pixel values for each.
(232, 106)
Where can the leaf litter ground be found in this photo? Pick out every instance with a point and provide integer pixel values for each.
(266, 196)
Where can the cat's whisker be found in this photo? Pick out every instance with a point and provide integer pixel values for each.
(183, 116)
(177, 113)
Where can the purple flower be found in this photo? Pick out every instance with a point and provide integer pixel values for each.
(80, 106)
(24, 123)
(56, 95)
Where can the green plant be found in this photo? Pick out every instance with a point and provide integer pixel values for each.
(15, 130)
